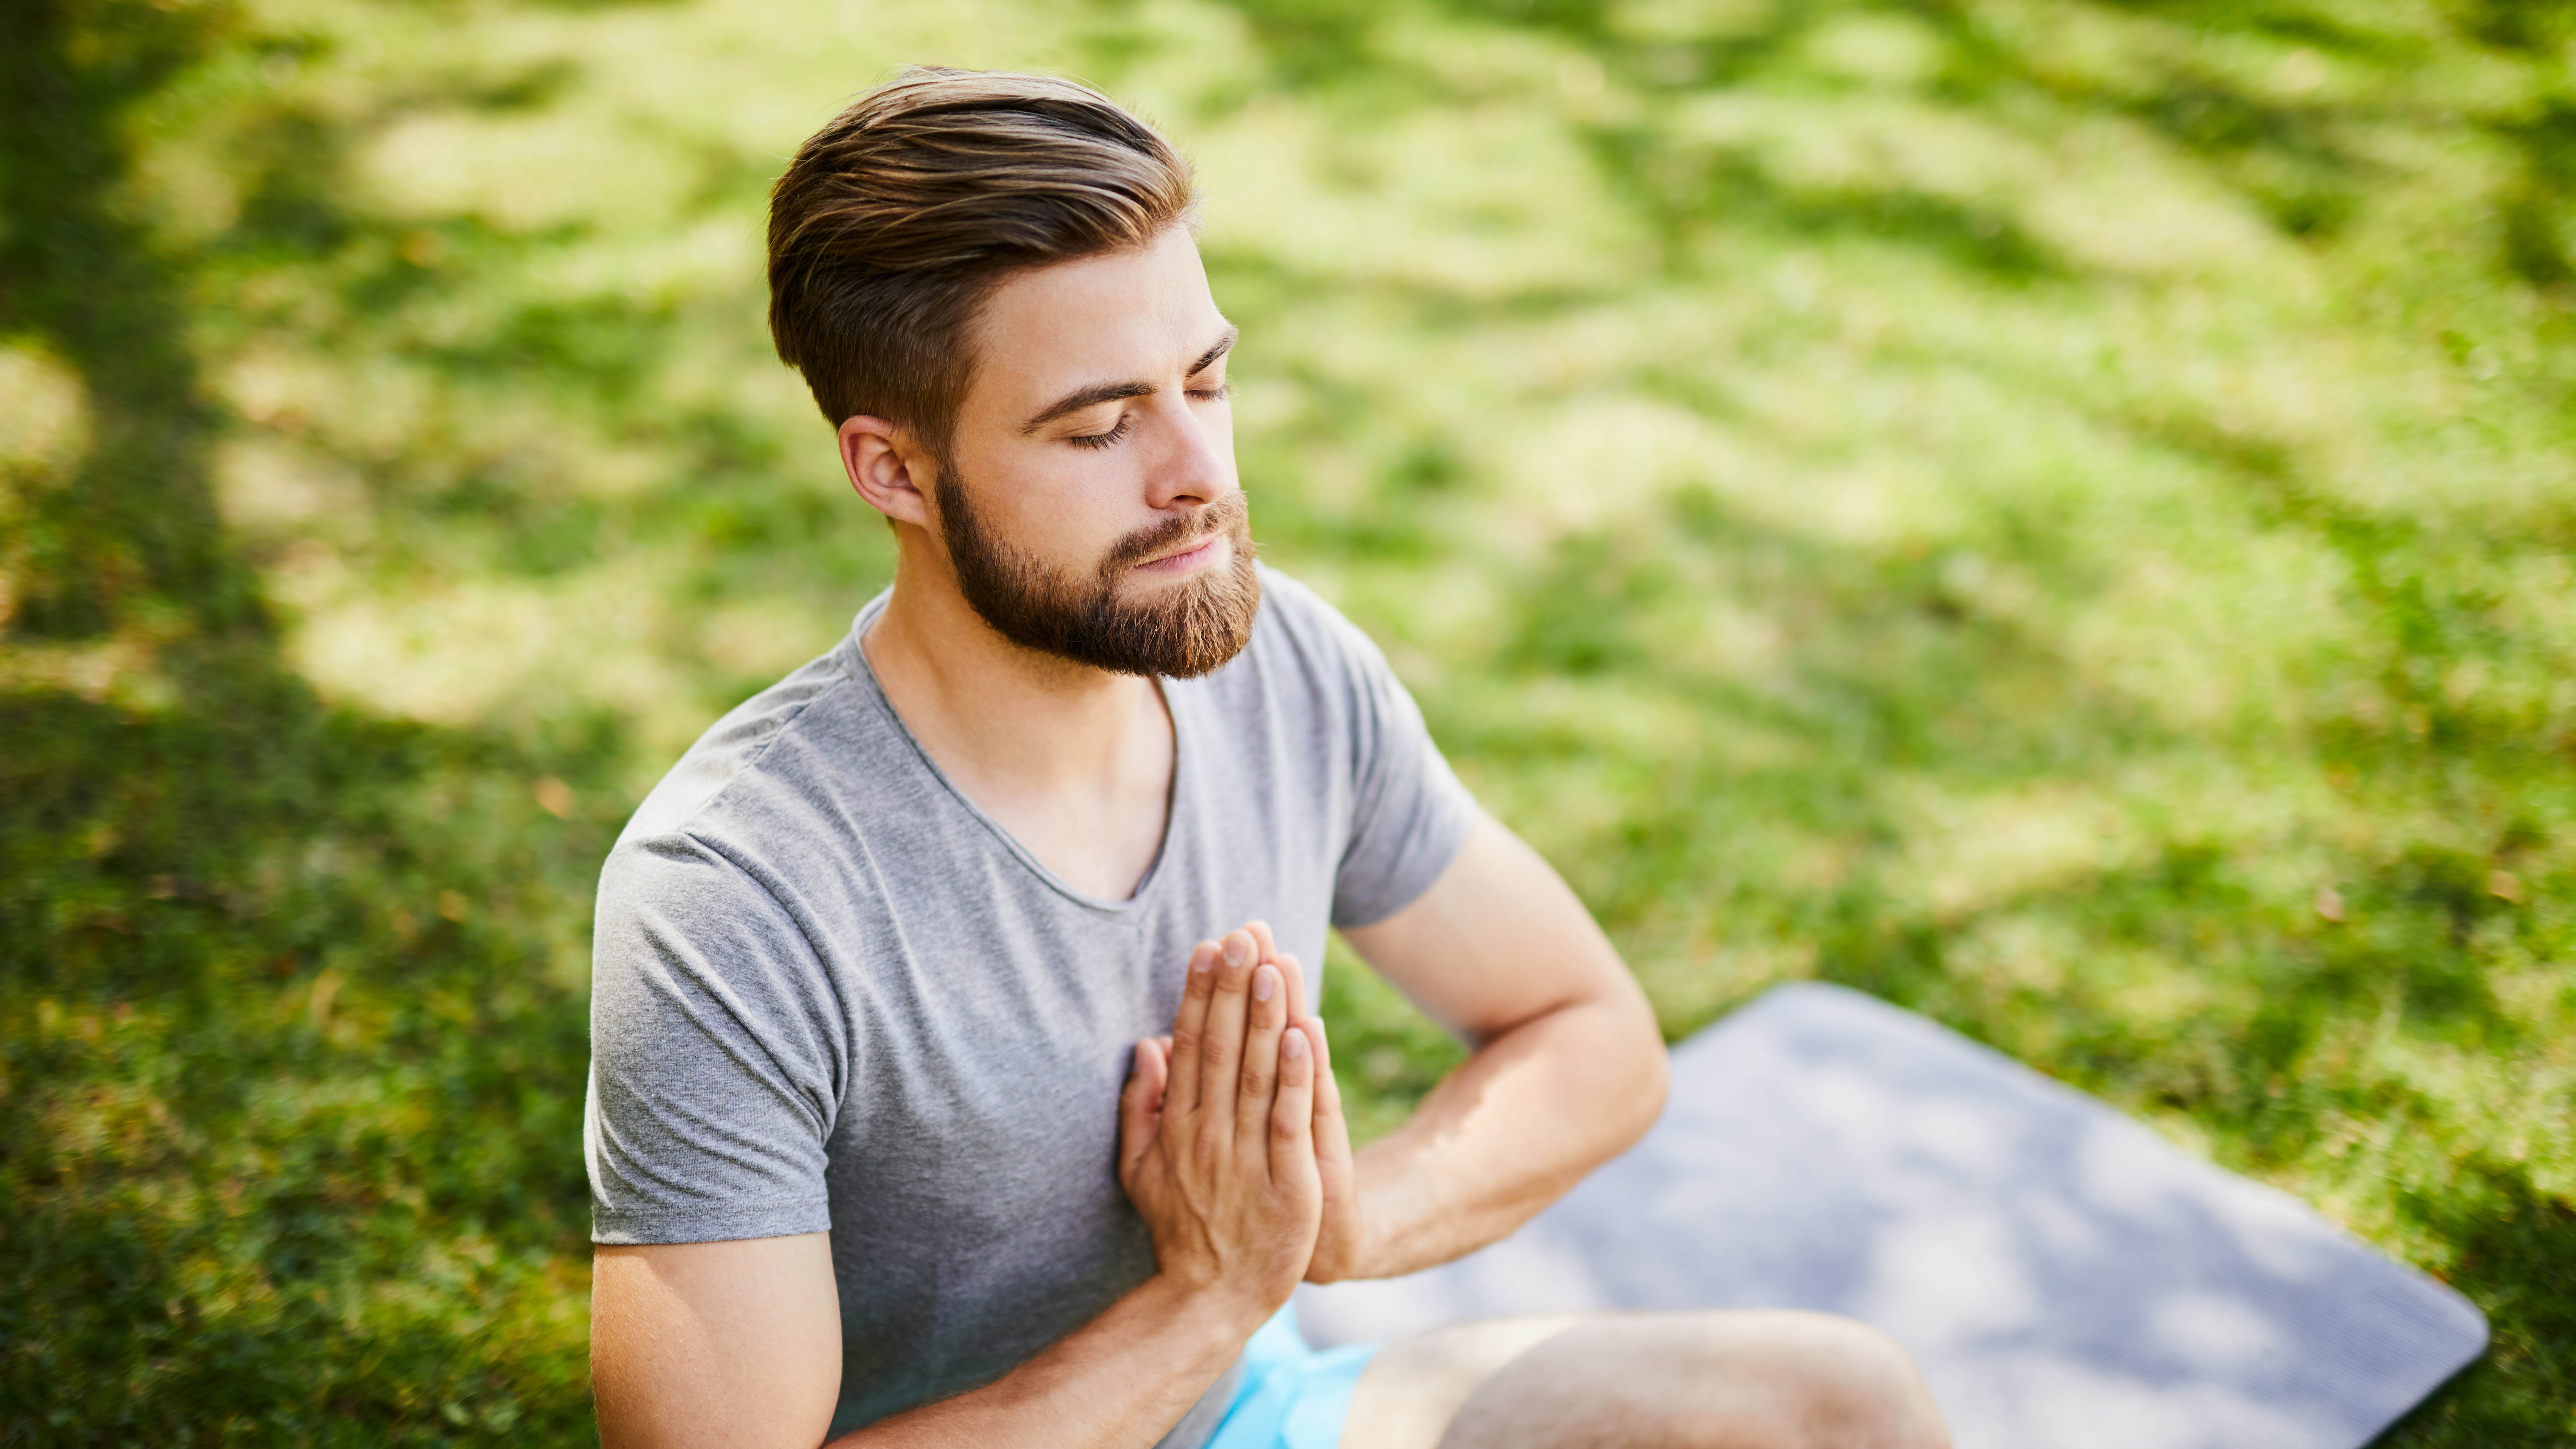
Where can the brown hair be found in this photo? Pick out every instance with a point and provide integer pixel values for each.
(895, 221)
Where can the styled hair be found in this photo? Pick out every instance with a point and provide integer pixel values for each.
(898, 219)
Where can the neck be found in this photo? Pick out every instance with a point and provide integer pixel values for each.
(1015, 728)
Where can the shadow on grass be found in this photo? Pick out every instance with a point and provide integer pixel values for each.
(293, 1063)
(2517, 1260)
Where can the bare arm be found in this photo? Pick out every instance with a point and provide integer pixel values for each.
(669, 1326)
(739, 1344)
(708, 1344)
(1568, 1067)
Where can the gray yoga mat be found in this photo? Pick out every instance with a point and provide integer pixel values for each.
(2065, 1278)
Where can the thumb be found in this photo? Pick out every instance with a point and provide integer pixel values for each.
(1138, 1105)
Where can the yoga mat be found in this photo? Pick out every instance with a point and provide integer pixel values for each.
(2065, 1278)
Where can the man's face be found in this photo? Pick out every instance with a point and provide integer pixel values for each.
(1089, 506)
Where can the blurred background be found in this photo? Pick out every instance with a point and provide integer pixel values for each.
(2055, 512)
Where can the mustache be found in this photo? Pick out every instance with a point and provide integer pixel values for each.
(1229, 514)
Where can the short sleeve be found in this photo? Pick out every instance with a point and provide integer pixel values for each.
(1409, 813)
(716, 1055)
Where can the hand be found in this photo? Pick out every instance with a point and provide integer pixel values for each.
(1338, 1244)
(1216, 1140)
(1338, 1251)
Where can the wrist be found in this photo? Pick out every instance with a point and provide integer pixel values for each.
(1206, 1318)
(1349, 1258)
(1354, 1243)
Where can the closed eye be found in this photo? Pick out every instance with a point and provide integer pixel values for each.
(1102, 440)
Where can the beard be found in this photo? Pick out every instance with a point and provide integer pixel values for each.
(1184, 630)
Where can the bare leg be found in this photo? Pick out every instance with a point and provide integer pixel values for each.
(1645, 1381)
(1414, 1386)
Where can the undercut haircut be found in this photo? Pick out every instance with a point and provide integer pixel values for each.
(897, 220)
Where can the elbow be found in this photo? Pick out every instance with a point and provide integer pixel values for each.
(1641, 1078)
(1654, 1078)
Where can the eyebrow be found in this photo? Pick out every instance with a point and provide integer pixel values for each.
(1098, 393)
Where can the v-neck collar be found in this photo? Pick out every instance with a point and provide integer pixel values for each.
(861, 670)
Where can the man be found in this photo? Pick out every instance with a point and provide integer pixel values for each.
(955, 1078)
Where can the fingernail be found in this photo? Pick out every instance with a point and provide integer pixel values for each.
(1294, 1047)
(1234, 950)
(1264, 981)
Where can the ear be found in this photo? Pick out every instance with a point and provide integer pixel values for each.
(887, 469)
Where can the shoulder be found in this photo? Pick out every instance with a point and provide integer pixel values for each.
(729, 756)
(746, 802)
(1312, 673)
(1294, 610)
(1299, 630)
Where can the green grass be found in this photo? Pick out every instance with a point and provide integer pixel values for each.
(2056, 514)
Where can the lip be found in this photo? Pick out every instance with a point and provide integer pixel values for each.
(1187, 560)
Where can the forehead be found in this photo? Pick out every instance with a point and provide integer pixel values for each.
(1131, 315)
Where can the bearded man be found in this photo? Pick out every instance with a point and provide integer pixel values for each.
(955, 1077)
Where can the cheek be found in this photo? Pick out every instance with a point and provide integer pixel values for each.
(1067, 510)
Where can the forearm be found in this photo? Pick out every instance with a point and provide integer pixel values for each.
(1507, 1133)
(1119, 1382)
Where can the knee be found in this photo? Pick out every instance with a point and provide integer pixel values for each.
(1859, 1390)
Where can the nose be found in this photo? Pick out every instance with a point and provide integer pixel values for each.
(1194, 464)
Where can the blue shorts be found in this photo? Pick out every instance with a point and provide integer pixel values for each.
(1292, 1396)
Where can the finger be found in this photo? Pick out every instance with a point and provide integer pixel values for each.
(1188, 1025)
(1292, 1115)
(1268, 946)
(1336, 1176)
(1135, 1108)
(1155, 1060)
(1295, 971)
(1332, 1130)
(1221, 1040)
(1267, 1018)
(1328, 1089)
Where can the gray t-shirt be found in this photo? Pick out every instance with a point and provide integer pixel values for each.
(828, 992)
